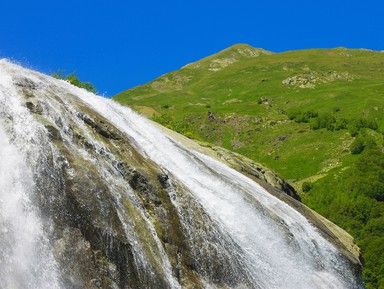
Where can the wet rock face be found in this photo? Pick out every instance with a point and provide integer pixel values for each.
(90, 220)
(89, 237)
(81, 266)
(90, 241)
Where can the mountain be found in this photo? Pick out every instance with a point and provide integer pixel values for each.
(316, 117)
(93, 195)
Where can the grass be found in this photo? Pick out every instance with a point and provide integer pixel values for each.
(243, 98)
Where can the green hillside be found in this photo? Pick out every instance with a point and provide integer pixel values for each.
(314, 116)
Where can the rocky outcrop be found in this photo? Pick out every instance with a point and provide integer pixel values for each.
(311, 79)
(90, 221)
(255, 170)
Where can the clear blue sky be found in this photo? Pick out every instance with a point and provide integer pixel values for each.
(120, 44)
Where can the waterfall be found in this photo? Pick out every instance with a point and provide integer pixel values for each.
(237, 234)
(25, 257)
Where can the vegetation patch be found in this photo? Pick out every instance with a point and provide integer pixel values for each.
(74, 80)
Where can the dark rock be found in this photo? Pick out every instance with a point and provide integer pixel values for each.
(25, 83)
(34, 108)
(289, 190)
(211, 116)
(163, 179)
(138, 181)
(53, 133)
(100, 127)
(282, 138)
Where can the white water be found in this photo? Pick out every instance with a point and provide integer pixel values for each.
(25, 258)
(278, 247)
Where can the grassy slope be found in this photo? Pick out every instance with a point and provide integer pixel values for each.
(250, 106)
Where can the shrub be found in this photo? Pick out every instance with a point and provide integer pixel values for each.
(371, 123)
(306, 186)
(341, 123)
(357, 146)
(355, 125)
(327, 121)
(353, 130)
(302, 117)
(74, 80)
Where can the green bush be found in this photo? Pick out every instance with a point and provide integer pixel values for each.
(326, 120)
(302, 117)
(306, 186)
(365, 140)
(357, 146)
(355, 125)
(331, 123)
(74, 80)
(341, 123)
(353, 130)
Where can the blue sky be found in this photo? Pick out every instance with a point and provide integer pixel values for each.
(120, 44)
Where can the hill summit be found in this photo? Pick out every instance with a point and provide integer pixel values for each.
(228, 56)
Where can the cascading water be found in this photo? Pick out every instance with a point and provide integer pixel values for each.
(188, 221)
(25, 258)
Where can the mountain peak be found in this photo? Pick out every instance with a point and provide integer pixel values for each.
(247, 47)
(228, 56)
(240, 50)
